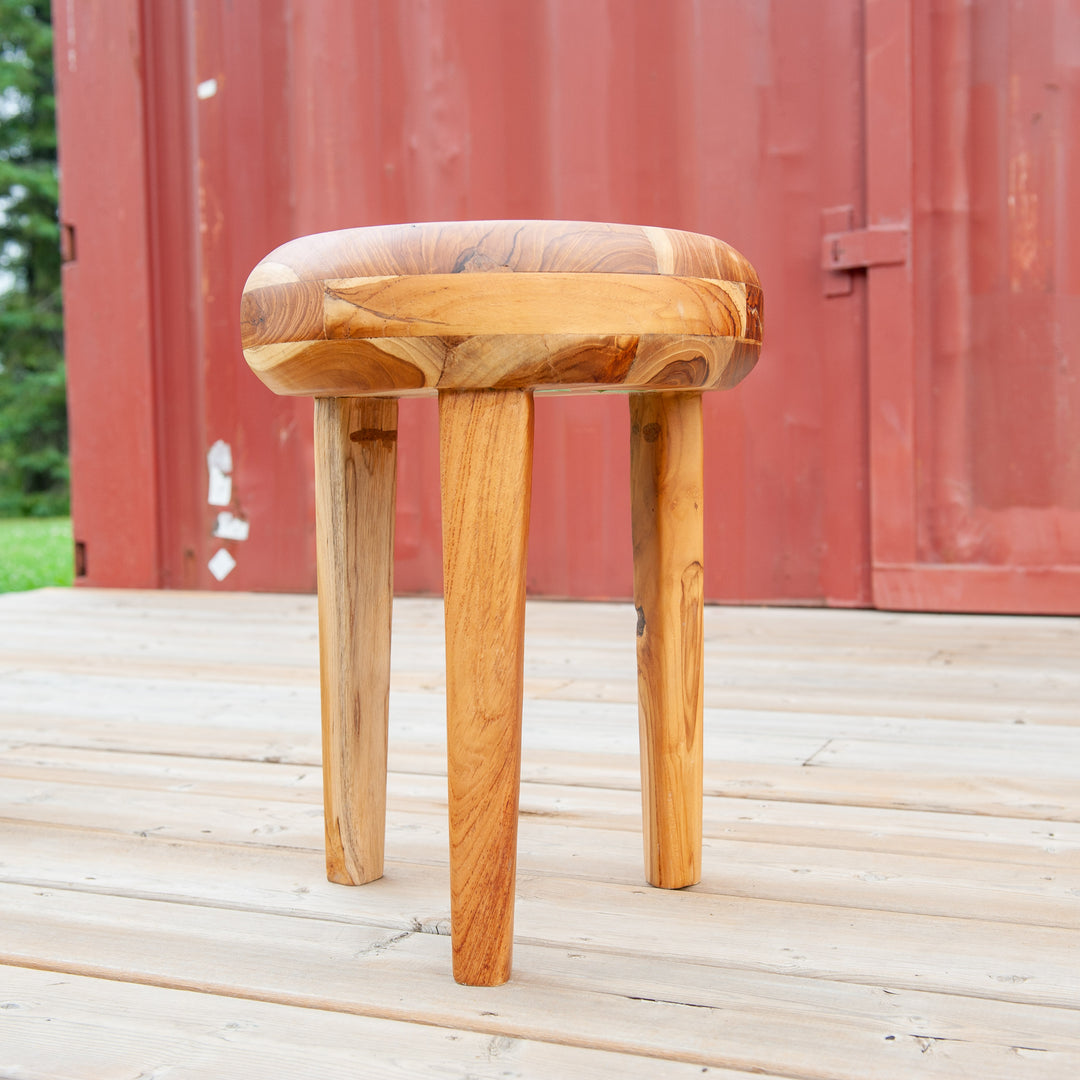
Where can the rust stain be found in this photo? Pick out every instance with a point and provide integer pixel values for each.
(1024, 269)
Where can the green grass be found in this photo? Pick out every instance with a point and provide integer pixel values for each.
(35, 552)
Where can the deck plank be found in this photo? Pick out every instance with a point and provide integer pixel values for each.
(891, 879)
(607, 846)
(592, 999)
(976, 957)
(82, 1027)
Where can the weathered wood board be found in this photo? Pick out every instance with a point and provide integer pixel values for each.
(890, 874)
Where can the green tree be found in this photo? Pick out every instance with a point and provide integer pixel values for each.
(33, 419)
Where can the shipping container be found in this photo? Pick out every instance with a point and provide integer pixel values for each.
(904, 174)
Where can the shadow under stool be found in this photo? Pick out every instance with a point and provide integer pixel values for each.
(485, 314)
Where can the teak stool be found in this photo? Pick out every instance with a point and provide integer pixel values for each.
(486, 314)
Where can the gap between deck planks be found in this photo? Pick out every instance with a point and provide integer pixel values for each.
(123, 1029)
(854, 919)
(997, 668)
(959, 791)
(999, 960)
(604, 842)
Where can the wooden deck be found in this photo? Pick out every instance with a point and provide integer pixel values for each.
(891, 876)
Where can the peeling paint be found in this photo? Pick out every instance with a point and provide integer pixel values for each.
(219, 465)
(230, 527)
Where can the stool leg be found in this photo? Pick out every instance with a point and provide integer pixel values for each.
(486, 473)
(355, 460)
(666, 491)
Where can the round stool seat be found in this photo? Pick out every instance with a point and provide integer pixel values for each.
(398, 310)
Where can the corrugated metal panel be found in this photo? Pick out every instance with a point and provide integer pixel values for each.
(107, 304)
(977, 463)
(251, 122)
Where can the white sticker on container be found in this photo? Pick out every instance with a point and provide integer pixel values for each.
(229, 527)
(221, 565)
(206, 89)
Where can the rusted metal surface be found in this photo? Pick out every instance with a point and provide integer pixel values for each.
(975, 419)
(909, 419)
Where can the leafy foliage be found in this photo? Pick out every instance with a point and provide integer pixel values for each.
(33, 420)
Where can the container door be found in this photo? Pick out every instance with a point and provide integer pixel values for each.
(973, 144)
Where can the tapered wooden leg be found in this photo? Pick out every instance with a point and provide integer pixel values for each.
(666, 480)
(355, 460)
(486, 472)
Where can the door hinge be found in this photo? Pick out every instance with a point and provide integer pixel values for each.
(845, 249)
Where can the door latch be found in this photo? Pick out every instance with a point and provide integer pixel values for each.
(845, 249)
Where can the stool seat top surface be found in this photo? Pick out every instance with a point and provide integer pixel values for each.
(397, 310)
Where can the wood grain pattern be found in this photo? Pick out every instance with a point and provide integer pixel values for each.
(455, 247)
(466, 305)
(934, 898)
(666, 491)
(486, 473)
(581, 363)
(404, 309)
(355, 461)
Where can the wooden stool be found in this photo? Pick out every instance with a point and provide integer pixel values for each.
(485, 314)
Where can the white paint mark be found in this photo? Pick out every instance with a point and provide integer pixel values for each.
(221, 565)
(220, 456)
(220, 488)
(231, 528)
(219, 464)
(206, 89)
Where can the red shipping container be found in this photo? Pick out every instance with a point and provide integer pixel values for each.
(901, 174)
